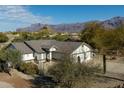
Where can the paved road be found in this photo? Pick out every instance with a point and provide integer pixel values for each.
(114, 70)
(115, 67)
(5, 85)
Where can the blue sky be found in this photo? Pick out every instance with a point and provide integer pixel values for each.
(12, 17)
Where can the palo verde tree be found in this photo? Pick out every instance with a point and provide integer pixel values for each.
(11, 55)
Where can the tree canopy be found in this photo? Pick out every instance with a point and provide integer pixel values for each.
(10, 55)
(103, 39)
(88, 33)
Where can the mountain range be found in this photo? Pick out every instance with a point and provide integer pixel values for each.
(75, 27)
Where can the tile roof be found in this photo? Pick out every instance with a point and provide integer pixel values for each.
(20, 46)
(38, 45)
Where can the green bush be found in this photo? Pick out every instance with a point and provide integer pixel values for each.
(28, 68)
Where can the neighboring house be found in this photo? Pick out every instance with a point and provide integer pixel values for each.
(47, 50)
(74, 36)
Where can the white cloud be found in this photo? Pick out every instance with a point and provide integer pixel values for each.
(17, 16)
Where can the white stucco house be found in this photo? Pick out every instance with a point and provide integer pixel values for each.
(47, 50)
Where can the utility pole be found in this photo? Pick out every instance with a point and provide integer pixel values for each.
(104, 63)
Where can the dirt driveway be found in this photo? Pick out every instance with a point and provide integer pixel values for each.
(5, 85)
(17, 80)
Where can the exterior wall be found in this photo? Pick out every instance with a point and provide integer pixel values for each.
(83, 52)
(26, 57)
(41, 57)
(50, 55)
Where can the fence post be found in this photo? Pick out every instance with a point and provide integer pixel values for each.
(104, 64)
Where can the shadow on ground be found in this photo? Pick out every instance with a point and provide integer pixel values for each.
(43, 82)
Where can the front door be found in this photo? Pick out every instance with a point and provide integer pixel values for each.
(79, 59)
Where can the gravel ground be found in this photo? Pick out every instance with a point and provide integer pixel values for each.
(102, 82)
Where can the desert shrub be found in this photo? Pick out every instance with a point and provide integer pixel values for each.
(3, 38)
(3, 65)
(28, 68)
(69, 74)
